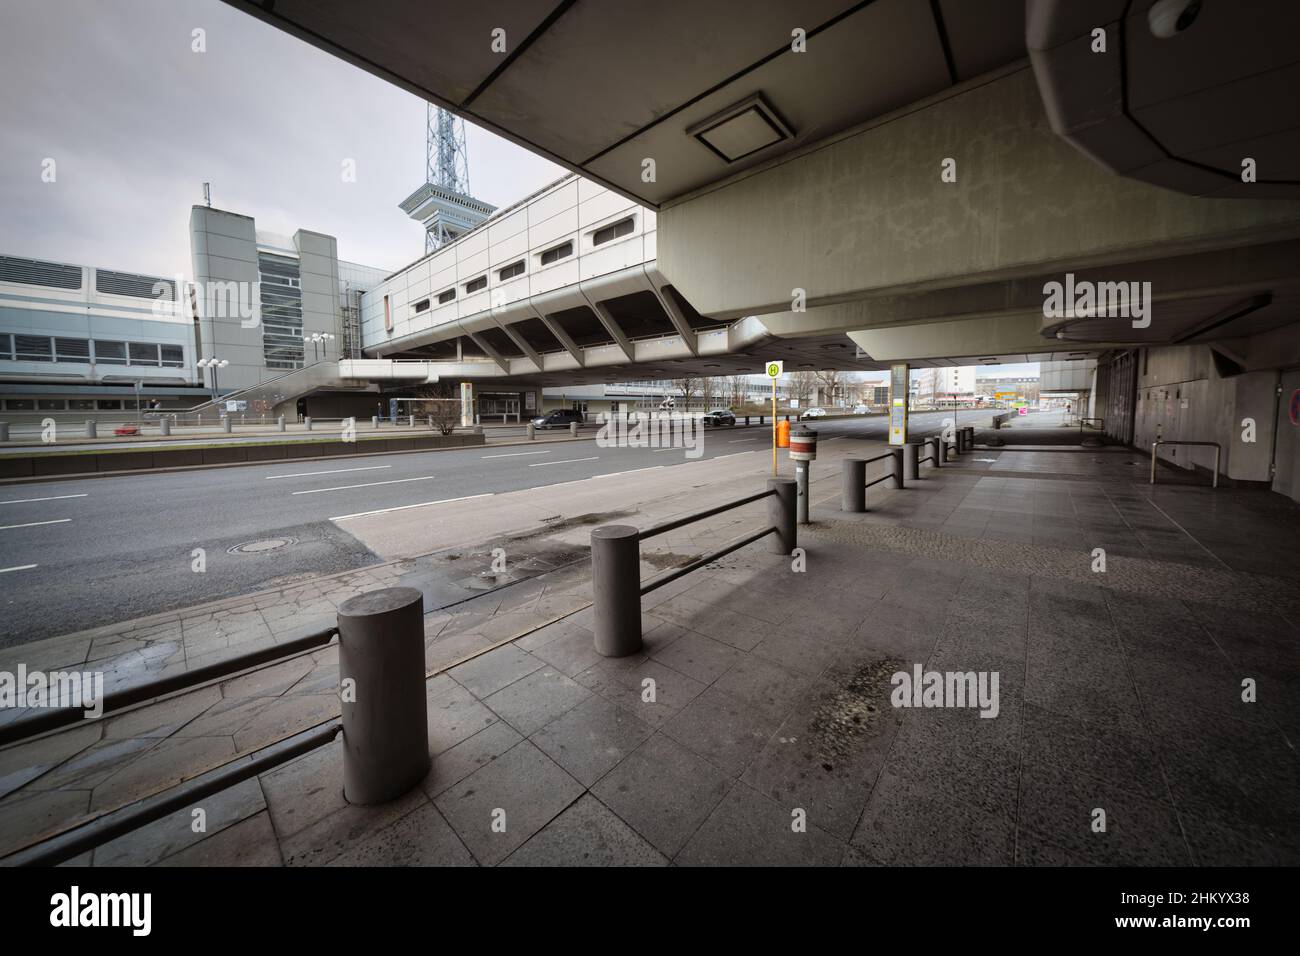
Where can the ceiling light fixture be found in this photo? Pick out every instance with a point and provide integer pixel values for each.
(741, 129)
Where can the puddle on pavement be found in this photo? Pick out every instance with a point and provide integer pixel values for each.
(858, 707)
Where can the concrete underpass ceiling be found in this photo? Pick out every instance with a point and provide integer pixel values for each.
(601, 86)
(1181, 111)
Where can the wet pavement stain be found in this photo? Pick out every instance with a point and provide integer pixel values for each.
(857, 707)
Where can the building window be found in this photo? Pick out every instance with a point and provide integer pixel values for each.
(476, 285)
(81, 404)
(281, 311)
(51, 404)
(110, 353)
(512, 270)
(71, 350)
(136, 286)
(422, 306)
(609, 233)
(110, 404)
(33, 348)
(557, 253)
(6, 345)
(173, 356)
(445, 297)
(142, 353)
(20, 405)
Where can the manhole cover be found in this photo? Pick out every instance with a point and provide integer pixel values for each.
(259, 547)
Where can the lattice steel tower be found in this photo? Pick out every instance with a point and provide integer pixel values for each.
(443, 204)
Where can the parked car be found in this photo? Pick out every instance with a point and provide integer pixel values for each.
(813, 413)
(861, 410)
(719, 416)
(560, 418)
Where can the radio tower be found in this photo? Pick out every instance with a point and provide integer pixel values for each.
(443, 204)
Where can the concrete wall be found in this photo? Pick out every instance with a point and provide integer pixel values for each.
(223, 248)
(1181, 396)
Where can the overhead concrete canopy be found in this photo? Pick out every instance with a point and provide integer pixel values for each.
(600, 87)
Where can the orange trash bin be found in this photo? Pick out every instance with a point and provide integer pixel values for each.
(782, 434)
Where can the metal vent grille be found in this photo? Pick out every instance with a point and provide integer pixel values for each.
(51, 275)
(127, 283)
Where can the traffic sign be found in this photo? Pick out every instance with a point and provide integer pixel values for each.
(774, 369)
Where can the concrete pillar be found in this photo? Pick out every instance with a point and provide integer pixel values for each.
(853, 485)
(90, 430)
(780, 515)
(374, 421)
(912, 460)
(616, 589)
(529, 430)
(4, 431)
(165, 426)
(898, 466)
(226, 424)
(385, 717)
(937, 453)
(970, 437)
(573, 429)
(307, 422)
(279, 424)
(430, 423)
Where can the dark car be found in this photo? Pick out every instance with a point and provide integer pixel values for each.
(561, 418)
(719, 416)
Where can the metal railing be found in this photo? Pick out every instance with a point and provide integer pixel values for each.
(1218, 451)
(616, 563)
(853, 478)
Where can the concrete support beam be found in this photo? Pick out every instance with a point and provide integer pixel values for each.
(564, 339)
(489, 351)
(612, 327)
(682, 326)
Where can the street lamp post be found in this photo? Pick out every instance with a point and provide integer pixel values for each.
(323, 338)
(213, 363)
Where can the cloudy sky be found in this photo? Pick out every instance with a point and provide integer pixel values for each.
(136, 122)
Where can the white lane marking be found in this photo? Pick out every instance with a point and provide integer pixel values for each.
(734, 454)
(836, 438)
(422, 504)
(33, 524)
(19, 567)
(514, 454)
(738, 441)
(657, 450)
(614, 474)
(567, 461)
(23, 501)
(332, 471)
(368, 484)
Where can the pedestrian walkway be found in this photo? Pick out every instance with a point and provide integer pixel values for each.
(758, 724)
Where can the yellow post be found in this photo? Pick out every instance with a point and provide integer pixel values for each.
(774, 427)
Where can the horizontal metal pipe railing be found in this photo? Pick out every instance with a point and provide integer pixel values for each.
(54, 718)
(877, 481)
(667, 577)
(1218, 452)
(666, 526)
(94, 833)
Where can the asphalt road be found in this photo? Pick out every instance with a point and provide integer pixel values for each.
(78, 554)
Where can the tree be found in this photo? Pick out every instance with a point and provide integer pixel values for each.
(738, 387)
(802, 384)
(440, 405)
(708, 391)
(689, 386)
(829, 380)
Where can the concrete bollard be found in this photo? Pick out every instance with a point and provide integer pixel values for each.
(747, 420)
(165, 426)
(970, 437)
(781, 516)
(385, 717)
(912, 461)
(90, 430)
(279, 424)
(374, 421)
(573, 429)
(4, 431)
(528, 430)
(226, 424)
(430, 423)
(306, 421)
(937, 452)
(616, 589)
(853, 485)
(898, 466)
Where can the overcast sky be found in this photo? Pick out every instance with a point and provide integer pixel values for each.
(136, 122)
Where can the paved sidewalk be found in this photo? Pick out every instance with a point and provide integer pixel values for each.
(757, 724)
